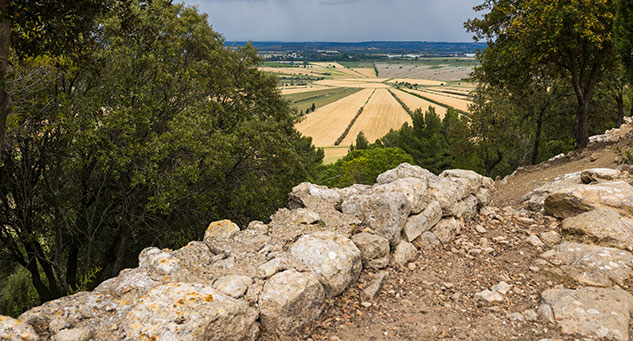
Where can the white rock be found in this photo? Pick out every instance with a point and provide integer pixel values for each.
(489, 296)
(404, 253)
(234, 285)
(333, 258)
(290, 300)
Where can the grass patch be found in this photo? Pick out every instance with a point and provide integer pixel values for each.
(320, 98)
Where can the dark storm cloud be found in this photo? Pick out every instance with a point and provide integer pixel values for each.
(339, 20)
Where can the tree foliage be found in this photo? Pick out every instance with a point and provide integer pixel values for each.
(624, 36)
(570, 39)
(168, 131)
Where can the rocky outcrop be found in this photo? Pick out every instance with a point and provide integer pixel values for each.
(273, 276)
(595, 313)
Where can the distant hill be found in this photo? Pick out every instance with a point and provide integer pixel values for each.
(440, 49)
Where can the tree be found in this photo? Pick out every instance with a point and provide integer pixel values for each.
(32, 28)
(624, 36)
(313, 107)
(572, 39)
(361, 166)
(170, 130)
(361, 142)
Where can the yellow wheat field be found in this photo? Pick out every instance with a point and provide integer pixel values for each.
(367, 83)
(453, 102)
(334, 153)
(302, 89)
(366, 72)
(418, 103)
(326, 124)
(316, 72)
(425, 82)
(381, 114)
(336, 68)
(461, 91)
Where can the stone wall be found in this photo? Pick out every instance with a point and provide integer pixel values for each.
(272, 276)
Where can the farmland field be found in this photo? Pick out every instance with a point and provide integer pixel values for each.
(326, 124)
(414, 103)
(460, 104)
(340, 89)
(382, 113)
(321, 98)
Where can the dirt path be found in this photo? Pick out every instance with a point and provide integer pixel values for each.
(434, 297)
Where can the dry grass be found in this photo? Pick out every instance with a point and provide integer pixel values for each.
(453, 102)
(381, 114)
(326, 124)
(366, 72)
(418, 103)
(332, 154)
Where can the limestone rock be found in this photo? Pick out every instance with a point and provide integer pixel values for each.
(312, 196)
(14, 330)
(185, 311)
(73, 334)
(550, 237)
(233, 285)
(599, 175)
(404, 170)
(445, 192)
(372, 289)
(427, 241)
(446, 229)
(591, 264)
(128, 281)
(502, 287)
(571, 201)
(420, 223)
(466, 208)
(296, 216)
(534, 240)
(489, 296)
(414, 190)
(289, 300)
(598, 313)
(371, 246)
(385, 213)
(472, 180)
(484, 196)
(332, 257)
(404, 253)
(604, 227)
(220, 230)
(535, 200)
(163, 266)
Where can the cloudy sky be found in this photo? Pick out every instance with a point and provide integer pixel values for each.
(339, 20)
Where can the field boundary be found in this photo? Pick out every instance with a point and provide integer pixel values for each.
(349, 126)
(435, 102)
(404, 106)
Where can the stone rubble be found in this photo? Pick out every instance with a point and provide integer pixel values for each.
(275, 278)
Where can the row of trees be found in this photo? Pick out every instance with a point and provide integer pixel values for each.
(142, 137)
(540, 53)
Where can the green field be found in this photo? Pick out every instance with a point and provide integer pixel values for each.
(320, 98)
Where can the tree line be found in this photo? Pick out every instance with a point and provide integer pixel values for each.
(137, 129)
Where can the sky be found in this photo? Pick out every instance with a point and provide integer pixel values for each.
(339, 20)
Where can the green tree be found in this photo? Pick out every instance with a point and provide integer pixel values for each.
(624, 36)
(38, 27)
(169, 131)
(572, 39)
(361, 166)
(361, 142)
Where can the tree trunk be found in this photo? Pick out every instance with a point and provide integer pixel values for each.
(120, 251)
(582, 127)
(537, 136)
(620, 102)
(5, 42)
